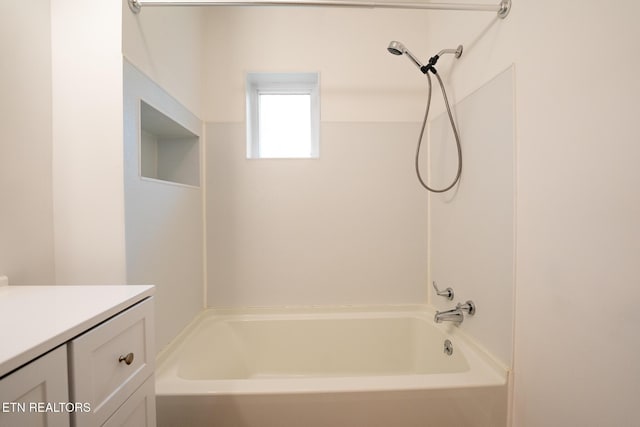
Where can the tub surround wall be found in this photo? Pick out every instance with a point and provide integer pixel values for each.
(164, 224)
(349, 227)
(471, 234)
(163, 48)
(26, 217)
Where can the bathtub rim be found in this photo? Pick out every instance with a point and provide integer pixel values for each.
(485, 370)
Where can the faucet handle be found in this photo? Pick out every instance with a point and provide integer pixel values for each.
(468, 306)
(447, 293)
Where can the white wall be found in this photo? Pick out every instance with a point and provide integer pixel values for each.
(359, 80)
(88, 192)
(578, 208)
(26, 219)
(164, 222)
(167, 45)
(349, 227)
(62, 170)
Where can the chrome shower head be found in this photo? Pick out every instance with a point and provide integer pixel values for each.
(398, 48)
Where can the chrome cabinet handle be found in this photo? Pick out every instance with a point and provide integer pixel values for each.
(128, 359)
(447, 293)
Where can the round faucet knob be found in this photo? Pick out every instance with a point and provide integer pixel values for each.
(468, 306)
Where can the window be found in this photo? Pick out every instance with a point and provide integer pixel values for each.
(283, 115)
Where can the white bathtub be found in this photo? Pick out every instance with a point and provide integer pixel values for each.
(341, 367)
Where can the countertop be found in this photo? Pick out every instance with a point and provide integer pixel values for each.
(36, 319)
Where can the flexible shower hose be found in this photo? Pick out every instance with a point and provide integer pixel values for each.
(455, 134)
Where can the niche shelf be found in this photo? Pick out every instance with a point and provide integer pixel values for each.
(168, 151)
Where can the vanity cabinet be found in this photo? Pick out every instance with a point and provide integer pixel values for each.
(98, 372)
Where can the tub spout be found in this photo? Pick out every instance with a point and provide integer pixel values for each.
(453, 315)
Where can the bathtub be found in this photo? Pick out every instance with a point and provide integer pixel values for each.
(342, 367)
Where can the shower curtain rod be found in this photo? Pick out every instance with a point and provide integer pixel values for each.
(502, 9)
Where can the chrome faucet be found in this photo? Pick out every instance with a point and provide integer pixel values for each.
(455, 315)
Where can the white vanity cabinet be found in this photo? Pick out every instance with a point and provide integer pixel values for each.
(77, 356)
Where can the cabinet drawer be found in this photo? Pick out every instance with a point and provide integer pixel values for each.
(100, 374)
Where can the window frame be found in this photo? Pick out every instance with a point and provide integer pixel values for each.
(281, 84)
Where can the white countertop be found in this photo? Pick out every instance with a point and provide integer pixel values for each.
(36, 319)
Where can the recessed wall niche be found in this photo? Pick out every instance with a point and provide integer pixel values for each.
(168, 151)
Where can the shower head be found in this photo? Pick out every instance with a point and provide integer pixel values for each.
(398, 48)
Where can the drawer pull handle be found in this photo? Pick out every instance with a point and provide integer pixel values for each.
(128, 359)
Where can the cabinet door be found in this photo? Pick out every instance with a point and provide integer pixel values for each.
(35, 394)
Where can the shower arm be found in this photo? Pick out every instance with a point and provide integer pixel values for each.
(457, 52)
(434, 59)
(502, 9)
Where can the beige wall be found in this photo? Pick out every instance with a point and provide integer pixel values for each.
(26, 222)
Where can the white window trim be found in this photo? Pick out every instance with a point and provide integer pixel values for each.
(281, 84)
